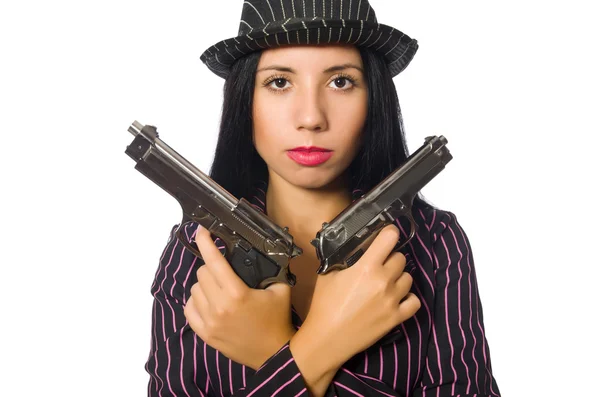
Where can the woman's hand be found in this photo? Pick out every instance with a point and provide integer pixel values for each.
(246, 325)
(353, 308)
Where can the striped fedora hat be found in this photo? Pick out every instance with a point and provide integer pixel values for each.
(273, 23)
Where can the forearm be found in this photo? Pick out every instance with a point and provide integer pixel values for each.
(314, 360)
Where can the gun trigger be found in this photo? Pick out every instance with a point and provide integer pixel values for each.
(291, 278)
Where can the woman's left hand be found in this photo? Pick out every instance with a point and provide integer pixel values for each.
(246, 325)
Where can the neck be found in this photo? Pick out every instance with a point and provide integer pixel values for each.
(303, 210)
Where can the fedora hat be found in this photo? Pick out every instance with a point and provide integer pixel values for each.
(274, 23)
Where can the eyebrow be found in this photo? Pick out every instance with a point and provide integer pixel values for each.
(334, 68)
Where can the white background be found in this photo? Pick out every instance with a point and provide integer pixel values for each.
(512, 85)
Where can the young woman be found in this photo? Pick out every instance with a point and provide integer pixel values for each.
(310, 122)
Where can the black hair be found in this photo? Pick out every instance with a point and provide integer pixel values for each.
(238, 167)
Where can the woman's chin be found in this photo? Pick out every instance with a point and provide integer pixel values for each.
(316, 180)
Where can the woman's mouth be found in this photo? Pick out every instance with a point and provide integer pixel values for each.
(310, 156)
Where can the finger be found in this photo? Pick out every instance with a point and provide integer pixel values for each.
(382, 245)
(394, 265)
(221, 270)
(193, 317)
(408, 307)
(281, 289)
(403, 285)
(207, 286)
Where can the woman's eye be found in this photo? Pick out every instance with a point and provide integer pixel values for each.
(341, 82)
(279, 83)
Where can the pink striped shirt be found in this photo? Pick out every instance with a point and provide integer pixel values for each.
(441, 351)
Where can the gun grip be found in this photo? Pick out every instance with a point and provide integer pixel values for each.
(255, 269)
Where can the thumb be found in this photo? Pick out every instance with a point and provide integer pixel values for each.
(281, 289)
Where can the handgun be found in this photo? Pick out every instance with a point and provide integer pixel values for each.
(258, 250)
(342, 242)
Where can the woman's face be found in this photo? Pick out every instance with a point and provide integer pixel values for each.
(309, 108)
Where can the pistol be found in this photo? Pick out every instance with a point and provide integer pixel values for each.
(341, 242)
(258, 250)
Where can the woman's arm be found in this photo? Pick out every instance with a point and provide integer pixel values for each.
(326, 377)
(178, 363)
(313, 361)
(456, 353)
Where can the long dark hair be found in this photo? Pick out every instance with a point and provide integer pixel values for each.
(237, 165)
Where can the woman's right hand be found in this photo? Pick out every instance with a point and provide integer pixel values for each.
(353, 308)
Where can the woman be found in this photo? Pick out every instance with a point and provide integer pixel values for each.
(310, 122)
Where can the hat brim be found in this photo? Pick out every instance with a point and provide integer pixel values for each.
(397, 48)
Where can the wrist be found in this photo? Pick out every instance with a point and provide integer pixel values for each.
(275, 346)
(314, 359)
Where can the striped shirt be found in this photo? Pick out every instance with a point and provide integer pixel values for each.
(441, 351)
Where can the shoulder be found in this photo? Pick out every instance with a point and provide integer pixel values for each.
(439, 241)
(435, 222)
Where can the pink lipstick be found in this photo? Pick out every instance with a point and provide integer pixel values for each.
(310, 156)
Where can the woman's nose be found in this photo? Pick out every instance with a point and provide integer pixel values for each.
(311, 112)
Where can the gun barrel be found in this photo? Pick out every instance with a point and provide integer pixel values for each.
(191, 171)
(338, 240)
(135, 128)
(258, 250)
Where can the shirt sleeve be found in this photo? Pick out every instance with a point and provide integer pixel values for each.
(348, 383)
(176, 363)
(458, 356)
(174, 348)
(278, 376)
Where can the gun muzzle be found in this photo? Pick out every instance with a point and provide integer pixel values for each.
(135, 128)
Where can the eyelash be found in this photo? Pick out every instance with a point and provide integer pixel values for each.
(267, 83)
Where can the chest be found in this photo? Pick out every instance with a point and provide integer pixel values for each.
(305, 270)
